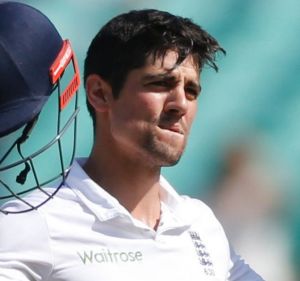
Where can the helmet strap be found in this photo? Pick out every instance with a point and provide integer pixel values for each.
(21, 178)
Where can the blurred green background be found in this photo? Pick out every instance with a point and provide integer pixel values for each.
(244, 151)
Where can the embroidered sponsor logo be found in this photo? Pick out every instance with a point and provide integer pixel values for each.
(108, 256)
(202, 253)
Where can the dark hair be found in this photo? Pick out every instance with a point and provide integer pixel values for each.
(127, 40)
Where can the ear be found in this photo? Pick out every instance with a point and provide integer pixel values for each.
(98, 92)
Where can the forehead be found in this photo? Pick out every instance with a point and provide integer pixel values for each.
(167, 66)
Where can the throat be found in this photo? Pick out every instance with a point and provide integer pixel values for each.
(155, 227)
(148, 212)
(152, 222)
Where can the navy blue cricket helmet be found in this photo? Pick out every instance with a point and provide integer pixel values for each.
(33, 58)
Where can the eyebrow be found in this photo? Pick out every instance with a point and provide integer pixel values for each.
(168, 76)
(163, 76)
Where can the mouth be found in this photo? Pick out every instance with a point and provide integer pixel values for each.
(176, 128)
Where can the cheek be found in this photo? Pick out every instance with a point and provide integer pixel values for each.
(191, 114)
(134, 116)
(147, 106)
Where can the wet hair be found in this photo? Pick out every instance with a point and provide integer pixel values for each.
(126, 41)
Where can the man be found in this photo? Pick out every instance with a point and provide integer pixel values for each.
(117, 218)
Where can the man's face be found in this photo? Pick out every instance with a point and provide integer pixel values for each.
(153, 114)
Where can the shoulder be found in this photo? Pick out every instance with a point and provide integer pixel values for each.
(29, 227)
(201, 218)
(199, 210)
(184, 204)
(22, 235)
(32, 223)
(31, 231)
(190, 210)
(24, 242)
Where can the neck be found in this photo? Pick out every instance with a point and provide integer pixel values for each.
(135, 185)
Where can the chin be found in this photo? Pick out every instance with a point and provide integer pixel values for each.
(168, 158)
(171, 163)
(163, 153)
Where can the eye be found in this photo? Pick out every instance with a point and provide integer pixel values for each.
(191, 94)
(159, 85)
(162, 83)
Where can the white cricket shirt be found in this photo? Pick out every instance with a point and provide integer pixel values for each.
(84, 234)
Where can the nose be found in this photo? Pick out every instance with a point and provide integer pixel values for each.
(177, 102)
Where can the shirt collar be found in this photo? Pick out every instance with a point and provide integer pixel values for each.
(105, 206)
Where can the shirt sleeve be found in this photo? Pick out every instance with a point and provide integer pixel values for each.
(24, 247)
(240, 271)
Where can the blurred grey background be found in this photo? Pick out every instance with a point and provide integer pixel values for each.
(244, 151)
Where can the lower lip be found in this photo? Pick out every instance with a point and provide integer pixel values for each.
(173, 131)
